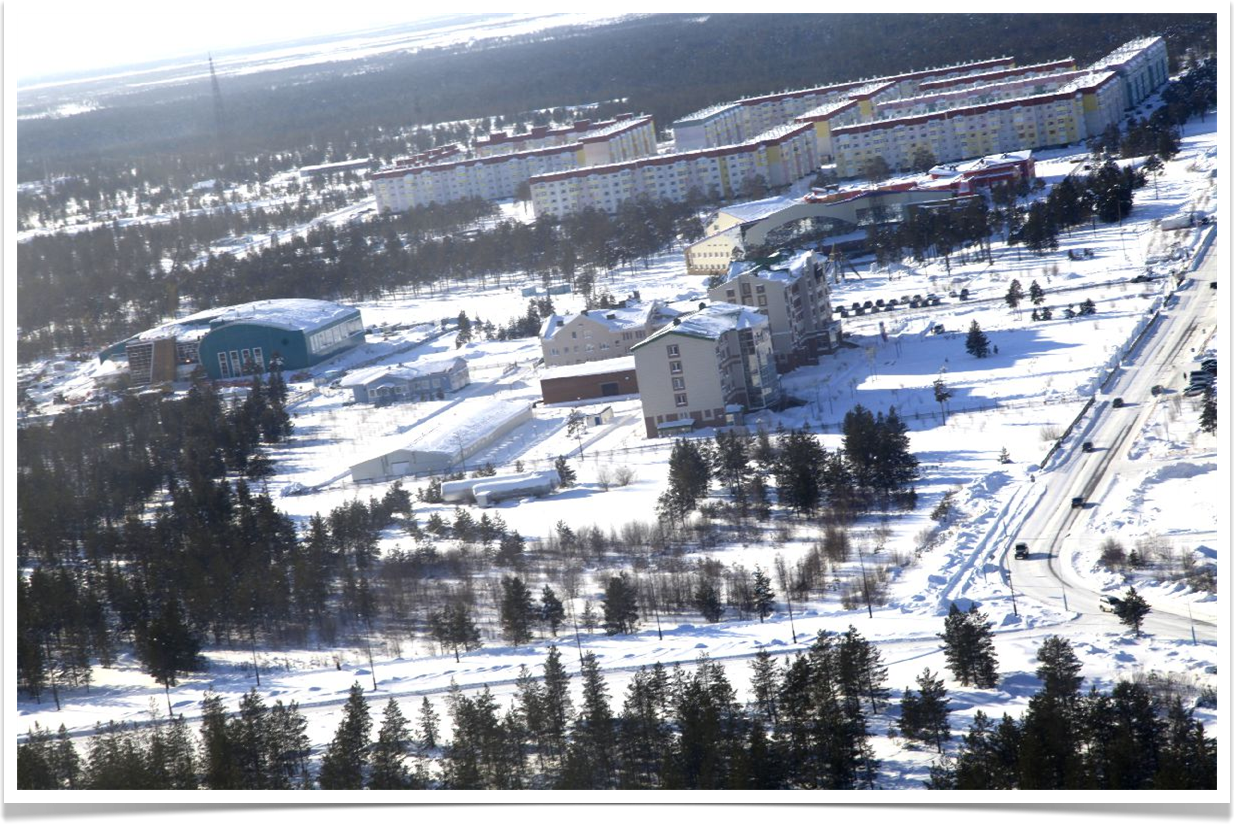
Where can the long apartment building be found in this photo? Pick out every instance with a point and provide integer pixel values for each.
(706, 368)
(729, 123)
(778, 158)
(542, 137)
(996, 76)
(1083, 106)
(791, 290)
(600, 334)
(1072, 113)
(494, 176)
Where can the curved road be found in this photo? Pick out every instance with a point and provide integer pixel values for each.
(1053, 530)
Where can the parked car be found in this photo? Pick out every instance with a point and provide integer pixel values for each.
(1077, 502)
(1110, 603)
(869, 304)
(1140, 279)
(1118, 403)
(1088, 446)
(1157, 389)
(939, 329)
(1021, 551)
(964, 294)
(893, 304)
(880, 303)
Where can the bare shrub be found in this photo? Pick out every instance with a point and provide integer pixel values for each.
(945, 509)
(604, 477)
(1113, 554)
(623, 476)
(1050, 432)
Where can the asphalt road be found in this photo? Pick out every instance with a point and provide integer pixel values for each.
(1054, 530)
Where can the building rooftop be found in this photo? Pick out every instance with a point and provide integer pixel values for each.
(452, 429)
(632, 316)
(403, 371)
(757, 209)
(784, 266)
(703, 115)
(597, 367)
(709, 323)
(295, 314)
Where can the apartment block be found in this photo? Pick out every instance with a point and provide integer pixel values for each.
(600, 334)
(542, 137)
(1141, 65)
(778, 157)
(790, 288)
(977, 95)
(706, 368)
(496, 175)
(996, 76)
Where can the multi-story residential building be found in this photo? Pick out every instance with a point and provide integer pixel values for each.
(541, 137)
(729, 123)
(496, 175)
(1142, 65)
(776, 158)
(600, 334)
(976, 95)
(996, 76)
(1080, 108)
(706, 368)
(790, 288)
(827, 117)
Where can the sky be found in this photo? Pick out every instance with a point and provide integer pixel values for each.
(59, 36)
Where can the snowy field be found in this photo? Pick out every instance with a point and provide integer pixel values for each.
(1040, 378)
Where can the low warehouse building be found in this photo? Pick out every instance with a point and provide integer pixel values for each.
(418, 380)
(444, 441)
(248, 339)
(583, 381)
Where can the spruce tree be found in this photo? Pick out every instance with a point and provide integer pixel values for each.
(923, 715)
(218, 751)
(516, 610)
(1208, 415)
(347, 755)
(764, 596)
(620, 605)
(1015, 294)
(764, 686)
(591, 761)
(968, 645)
(1036, 294)
(1132, 610)
(393, 742)
(558, 709)
(428, 723)
(565, 472)
(168, 647)
(707, 600)
(552, 612)
(977, 344)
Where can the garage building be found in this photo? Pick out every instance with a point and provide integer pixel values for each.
(595, 379)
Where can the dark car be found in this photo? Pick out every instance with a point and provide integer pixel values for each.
(880, 303)
(1212, 284)
(1088, 446)
(893, 304)
(1157, 389)
(1118, 403)
(869, 304)
(1077, 502)
(1140, 279)
(939, 329)
(1021, 551)
(963, 294)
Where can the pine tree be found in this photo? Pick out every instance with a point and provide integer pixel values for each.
(428, 724)
(565, 472)
(1036, 294)
(592, 756)
(393, 741)
(689, 476)
(1015, 294)
(764, 596)
(558, 709)
(620, 605)
(977, 344)
(347, 755)
(168, 647)
(1132, 610)
(968, 645)
(764, 686)
(515, 610)
(797, 469)
(218, 759)
(249, 732)
(707, 600)
(552, 612)
(1208, 415)
(941, 395)
(923, 715)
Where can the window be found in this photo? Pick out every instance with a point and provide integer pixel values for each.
(674, 367)
(673, 351)
(680, 399)
(235, 363)
(259, 359)
(679, 383)
(224, 370)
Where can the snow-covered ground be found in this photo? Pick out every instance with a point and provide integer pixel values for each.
(1018, 399)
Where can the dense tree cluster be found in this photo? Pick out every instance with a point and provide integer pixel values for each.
(1127, 739)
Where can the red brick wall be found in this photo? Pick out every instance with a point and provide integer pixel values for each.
(586, 387)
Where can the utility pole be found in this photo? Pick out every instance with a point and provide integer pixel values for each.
(1012, 585)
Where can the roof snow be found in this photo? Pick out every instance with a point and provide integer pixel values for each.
(710, 323)
(297, 314)
(783, 267)
(453, 429)
(598, 367)
(757, 209)
(631, 316)
(402, 371)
